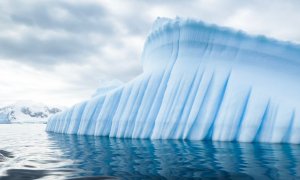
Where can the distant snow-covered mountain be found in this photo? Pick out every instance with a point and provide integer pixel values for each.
(27, 112)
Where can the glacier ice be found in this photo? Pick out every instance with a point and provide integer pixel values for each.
(106, 86)
(199, 82)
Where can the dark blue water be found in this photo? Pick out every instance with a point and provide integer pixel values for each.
(30, 153)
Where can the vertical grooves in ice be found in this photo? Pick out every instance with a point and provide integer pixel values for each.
(200, 82)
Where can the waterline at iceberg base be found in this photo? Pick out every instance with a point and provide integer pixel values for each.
(199, 82)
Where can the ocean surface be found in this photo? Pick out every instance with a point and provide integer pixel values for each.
(28, 152)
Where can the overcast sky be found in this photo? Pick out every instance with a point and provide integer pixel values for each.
(58, 52)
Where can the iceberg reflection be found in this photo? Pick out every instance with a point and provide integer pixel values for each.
(167, 159)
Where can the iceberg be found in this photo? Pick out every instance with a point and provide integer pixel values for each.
(199, 82)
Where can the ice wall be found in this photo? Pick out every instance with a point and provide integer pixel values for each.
(199, 82)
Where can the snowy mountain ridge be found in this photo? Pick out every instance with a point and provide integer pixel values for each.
(27, 112)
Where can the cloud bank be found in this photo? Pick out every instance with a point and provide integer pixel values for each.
(57, 52)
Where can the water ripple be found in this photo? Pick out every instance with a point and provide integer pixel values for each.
(30, 153)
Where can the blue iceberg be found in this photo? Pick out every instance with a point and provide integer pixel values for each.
(199, 82)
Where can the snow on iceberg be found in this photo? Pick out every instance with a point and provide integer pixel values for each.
(199, 82)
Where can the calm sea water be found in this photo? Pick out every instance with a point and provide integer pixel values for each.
(28, 152)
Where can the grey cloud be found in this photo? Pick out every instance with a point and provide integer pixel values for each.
(82, 18)
(31, 49)
(71, 40)
(88, 28)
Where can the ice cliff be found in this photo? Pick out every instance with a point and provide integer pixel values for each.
(199, 82)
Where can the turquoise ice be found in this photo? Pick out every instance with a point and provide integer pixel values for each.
(199, 82)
